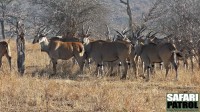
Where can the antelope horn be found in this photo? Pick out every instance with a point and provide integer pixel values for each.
(153, 35)
(126, 31)
(48, 32)
(87, 30)
(137, 31)
(119, 33)
(153, 38)
(168, 36)
(140, 30)
(148, 35)
(42, 30)
(107, 32)
(82, 29)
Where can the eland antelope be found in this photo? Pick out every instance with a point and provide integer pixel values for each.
(151, 53)
(187, 50)
(5, 51)
(42, 33)
(61, 50)
(121, 37)
(103, 51)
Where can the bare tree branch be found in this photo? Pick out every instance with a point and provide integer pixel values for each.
(125, 3)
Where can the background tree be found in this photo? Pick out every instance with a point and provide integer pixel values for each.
(130, 22)
(3, 11)
(177, 17)
(11, 11)
(20, 43)
(66, 17)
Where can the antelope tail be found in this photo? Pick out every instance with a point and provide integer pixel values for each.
(176, 54)
(81, 50)
(8, 50)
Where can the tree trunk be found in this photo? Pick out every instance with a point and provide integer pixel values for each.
(129, 13)
(130, 20)
(20, 41)
(2, 29)
(20, 54)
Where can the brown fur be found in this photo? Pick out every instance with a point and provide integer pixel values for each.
(69, 39)
(65, 51)
(102, 51)
(5, 51)
(152, 53)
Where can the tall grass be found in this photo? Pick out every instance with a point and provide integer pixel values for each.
(68, 92)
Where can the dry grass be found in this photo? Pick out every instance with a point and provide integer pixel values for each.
(67, 92)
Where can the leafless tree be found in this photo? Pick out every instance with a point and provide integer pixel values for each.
(180, 18)
(3, 10)
(130, 17)
(11, 11)
(20, 42)
(67, 16)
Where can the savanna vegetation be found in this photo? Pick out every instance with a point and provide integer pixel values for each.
(34, 91)
(70, 91)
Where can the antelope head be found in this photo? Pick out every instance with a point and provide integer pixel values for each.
(137, 34)
(121, 36)
(150, 38)
(40, 34)
(84, 35)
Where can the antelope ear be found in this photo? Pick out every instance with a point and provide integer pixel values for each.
(34, 41)
(126, 39)
(152, 39)
(86, 41)
(42, 39)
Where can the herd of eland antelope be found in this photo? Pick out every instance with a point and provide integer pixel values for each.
(145, 49)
